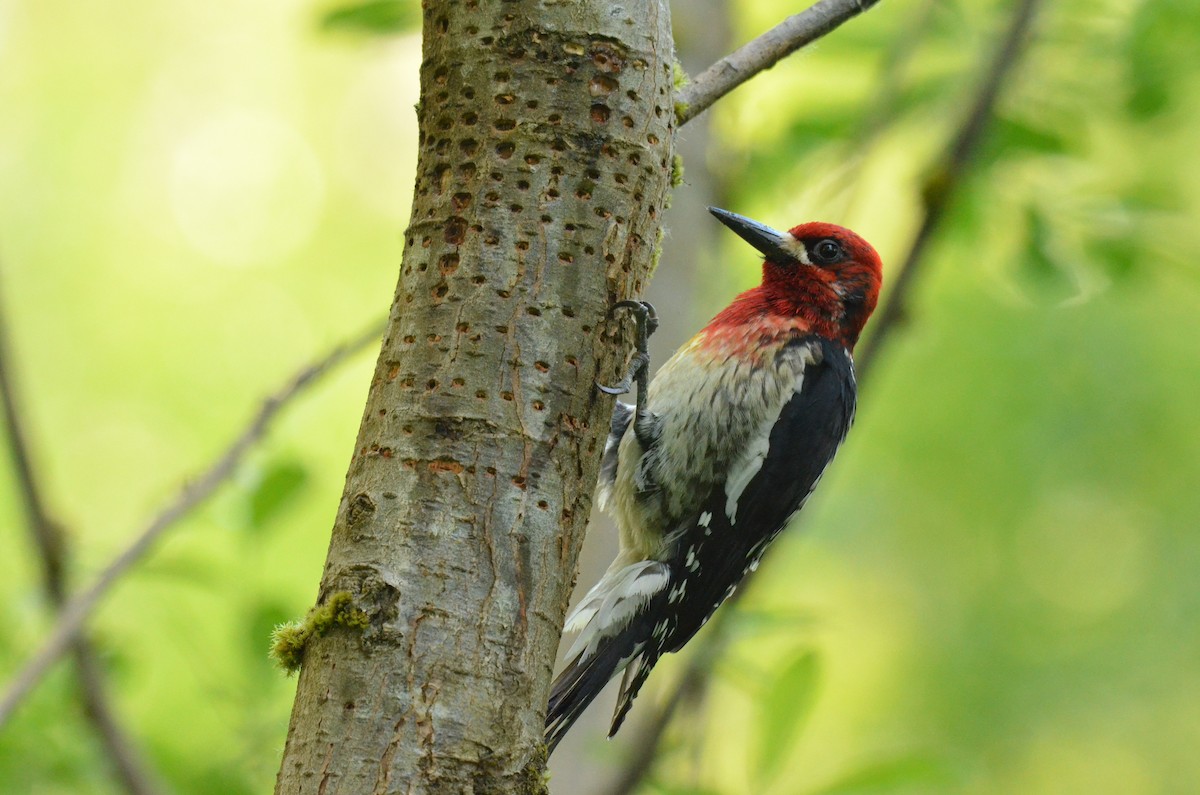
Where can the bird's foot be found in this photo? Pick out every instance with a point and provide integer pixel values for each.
(647, 323)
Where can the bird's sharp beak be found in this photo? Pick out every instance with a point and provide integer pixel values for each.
(774, 245)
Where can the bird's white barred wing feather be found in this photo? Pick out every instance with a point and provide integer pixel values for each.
(608, 607)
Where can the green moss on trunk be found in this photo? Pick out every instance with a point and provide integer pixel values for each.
(289, 640)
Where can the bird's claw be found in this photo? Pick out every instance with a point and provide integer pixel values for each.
(647, 323)
(644, 311)
(639, 362)
(619, 389)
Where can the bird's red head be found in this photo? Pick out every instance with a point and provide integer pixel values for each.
(821, 272)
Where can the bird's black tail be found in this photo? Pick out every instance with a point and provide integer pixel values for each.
(586, 675)
(576, 687)
(617, 623)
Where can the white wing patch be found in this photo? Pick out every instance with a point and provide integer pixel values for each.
(608, 461)
(751, 461)
(603, 494)
(746, 468)
(613, 602)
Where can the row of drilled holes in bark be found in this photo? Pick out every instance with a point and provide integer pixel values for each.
(535, 46)
(444, 176)
(559, 144)
(603, 54)
(531, 45)
(455, 233)
(449, 262)
(409, 381)
(441, 289)
(599, 113)
(447, 465)
(431, 385)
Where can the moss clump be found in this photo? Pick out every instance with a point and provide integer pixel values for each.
(535, 778)
(657, 255)
(679, 76)
(676, 171)
(531, 779)
(681, 79)
(289, 640)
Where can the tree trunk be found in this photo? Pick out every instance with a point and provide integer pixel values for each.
(546, 135)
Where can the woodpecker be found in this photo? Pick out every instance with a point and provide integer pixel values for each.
(718, 454)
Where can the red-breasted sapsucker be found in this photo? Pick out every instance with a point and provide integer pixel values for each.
(719, 454)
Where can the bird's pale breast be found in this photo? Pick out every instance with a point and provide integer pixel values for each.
(716, 400)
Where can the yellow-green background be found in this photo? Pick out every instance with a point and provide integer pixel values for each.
(997, 587)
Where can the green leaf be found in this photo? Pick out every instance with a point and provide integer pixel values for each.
(786, 706)
(1117, 241)
(894, 775)
(1011, 135)
(1161, 44)
(1038, 261)
(278, 486)
(374, 16)
(1043, 266)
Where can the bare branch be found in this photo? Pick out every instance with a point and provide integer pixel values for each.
(764, 52)
(46, 532)
(51, 543)
(951, 170)
(128, 764)
(77, 610)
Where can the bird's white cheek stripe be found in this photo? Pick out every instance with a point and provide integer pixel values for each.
(797, 249)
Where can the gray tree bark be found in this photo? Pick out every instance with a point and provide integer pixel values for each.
(546, 143)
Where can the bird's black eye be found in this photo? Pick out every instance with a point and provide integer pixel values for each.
(827, 252)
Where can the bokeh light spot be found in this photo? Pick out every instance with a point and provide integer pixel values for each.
(1083, 553)
(246, 189)
(1076, 761)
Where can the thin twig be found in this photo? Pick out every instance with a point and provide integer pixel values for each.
(76, 612)
(764, 52)
(47, 534)
(951, 171)
(51, 542)
(128, 764)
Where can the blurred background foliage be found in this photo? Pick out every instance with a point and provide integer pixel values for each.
(995, 590)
